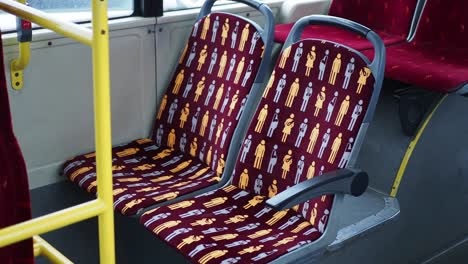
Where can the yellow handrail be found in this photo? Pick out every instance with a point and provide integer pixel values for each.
(102, 207)
(42, 248)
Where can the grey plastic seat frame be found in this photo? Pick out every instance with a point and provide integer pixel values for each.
(267, 35)
(341, 187)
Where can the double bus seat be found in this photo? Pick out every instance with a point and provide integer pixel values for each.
(436, 58)
(295, 162)
(201, 118)
(391, 20)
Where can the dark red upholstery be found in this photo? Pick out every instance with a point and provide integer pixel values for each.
(437, 58)
(390, 19)
(279, 152)
(15, 206)
(197, 118)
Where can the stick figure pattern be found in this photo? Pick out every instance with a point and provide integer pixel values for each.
(254, 180)
(188, 123)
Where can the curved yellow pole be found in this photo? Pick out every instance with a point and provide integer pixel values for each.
(42, 248)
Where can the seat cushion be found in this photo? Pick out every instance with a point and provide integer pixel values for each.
(338, 35)
(429, 66)
(144, 175)
(230, 225)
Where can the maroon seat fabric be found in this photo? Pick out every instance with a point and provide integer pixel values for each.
(305, 125)
(197, 118)
(15, 206)
(390, 19)
(437, 57)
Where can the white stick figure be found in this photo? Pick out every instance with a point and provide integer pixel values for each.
(226, 99)
(302, 132)
(159, 135)
(300, 169)
(305, 98)
(349, 71)
(242, 107)
(347, 154)
(258, 184)
(247, 74)
(331, 107)
(183, 142)
(232, 65)
(273, 159)
(195, 28)
(188, 86)
(274, 123)
(234, 35)
(325, 140)
(297, 57)
(193, 53)
(172, 110)
(246, 148)
(215, 29)
(195, 118)
(323, 65)
(211, 89)
(279, 88)
(214, 58)
(225, 133)
(354, 116)
(212, 127)
(255, 38)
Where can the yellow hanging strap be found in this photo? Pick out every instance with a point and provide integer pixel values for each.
(24, 31)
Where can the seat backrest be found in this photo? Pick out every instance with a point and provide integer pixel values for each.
(308, 121)
(205, 99)
(445, 22)
(393, 16)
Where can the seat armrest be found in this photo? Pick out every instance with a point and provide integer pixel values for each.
(344, 181)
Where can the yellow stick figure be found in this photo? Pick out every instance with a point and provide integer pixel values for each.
(129, 179)
(269, 85)
(288, 126)
(311, 171)
(118, 167)
(166, 225)
(144, 141)
(313, 214)
(118, 191)
(323, 198)
(277, 216)
(300, 227)
(193, 147)
(219, 95)
(167, 196)
(208, 155)
(181, 166)
(236, 219)
(250, 249)
(225, 32)
(311, 56)
(163, 154)
(287, 161)
(259, 154)
(222, 64)
(239, 70)
(200, 87)
(204, 123)
(144, 167)
(79, 172)
(319, 103)
(127, 152)
(335, 147)
(184, 115)
(212, 255)
(182, 57)
(343, 111)
(363, 75)
(181, 205)
(335, 69)
(203, 222)
(162, 107)
(171, 139)
(261, 119)
(293, 91)
(313, 138)
(148, 189)
(206, 27)
(132, 204)
(272, 189)
(199, 173)
(285, 241)
(284, 57)
(219, 130)
(220, 167)
(229, 188)
(215, 202)
(90, 155)
(91, 186)
(189, 240)
(225, 237)
(151, 211)
(202, 57)
(244, 37)
(244, 179)
(254, 202)
(260, 233)
(234, 100)
(178, 82)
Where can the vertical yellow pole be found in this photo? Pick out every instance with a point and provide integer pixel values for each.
(103, 133)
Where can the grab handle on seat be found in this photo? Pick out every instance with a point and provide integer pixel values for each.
(377, 65)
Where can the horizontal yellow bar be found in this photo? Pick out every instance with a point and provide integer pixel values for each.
(42, 248)
(45, 20)
(50, 222)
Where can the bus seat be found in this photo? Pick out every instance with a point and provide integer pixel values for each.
(307, 129)
(390, 19)
(199, 124)
(15, 204)
(436, 58)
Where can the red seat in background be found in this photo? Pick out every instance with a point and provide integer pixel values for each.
(391, 20)
(437, 57)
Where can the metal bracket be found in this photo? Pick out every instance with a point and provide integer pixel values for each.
(24, 31)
